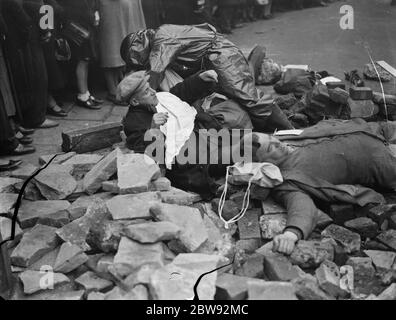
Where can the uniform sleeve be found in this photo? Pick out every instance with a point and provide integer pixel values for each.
(301, 211)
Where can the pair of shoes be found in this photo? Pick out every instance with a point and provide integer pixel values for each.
(21, 150)
(89, 104)
(47, 124)
(56, 111)
(10, 165)
(113, 99)
(24, 131)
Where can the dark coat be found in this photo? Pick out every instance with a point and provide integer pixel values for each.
(326, 163)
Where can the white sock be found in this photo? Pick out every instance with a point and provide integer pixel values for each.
(83, 96)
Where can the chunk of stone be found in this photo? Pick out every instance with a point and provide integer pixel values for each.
(59, 159)
(253, 267)
(57, 219)
(341, 213)
(248, 246)
(351, 241)
(91, 282)
(307, 288)
(67, 296)
(24, 172)
(34, 245)
(200, 262)
(329, 277)
(310, 254)
(133, 206)
(271, 207)
(366, 227)
(96, 296)
(388, 294)
(142, 276)
(347, 280)
(279, 268)
(79, 207)
(380, 213)
(77, 231)
(174, 282)
(388, 238)
(249, 226)
(30, 212)
(189, 219)
(272, 225)
(362, 108)
(70, 257)
(267, 290)
(161, 184)
(101, 172)
(135, 172)
(5, 229)
(231, 287)
(82, 163)
(136, 294)
(48, 260)
(111, 186)
(180, 197)
(105, 237)
(152, 232)
(31, 192)
(126, 261)
(381, 259)
(7, 185)
(33, 281)
(55, 183)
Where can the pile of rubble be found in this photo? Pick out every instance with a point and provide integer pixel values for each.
(110, 227)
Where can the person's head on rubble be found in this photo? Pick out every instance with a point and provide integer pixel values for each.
(135, 49)
(266, 148)
(135, 89)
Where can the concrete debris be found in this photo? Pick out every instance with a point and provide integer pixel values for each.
(328, 275)
(310, 254)
(347, 280)
(180, 197)
(34, 245)
(231, 287)
(137, 293)
(272, 225)
(161, 184)
(30, 212)
(125, 261)
(249, 226)
(388, 294)
(34, 281)
(70, 257)
(381, 259)
(101, 172)
(349, 240)
(153, 232)
(7, 185)
(82, 163)
(269, 206)
(380, 213)
(190, 221)
(135, 172)
(307, 288)
(366, 227)
(388, 238)
(24, 172)
(48, 260)
(267, 290)
(5, 229)
(59, 159)
(91, 282)
(253, 267)
(279, 268)
(133, 206)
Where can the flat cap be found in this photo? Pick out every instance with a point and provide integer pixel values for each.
(131, 85)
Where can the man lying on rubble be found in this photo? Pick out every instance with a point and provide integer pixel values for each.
(334, 161)
(188, 49)
(167, 120)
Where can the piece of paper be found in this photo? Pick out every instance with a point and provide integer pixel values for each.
(330, 79)
(387, 67)
(297, 66)
(288, 132)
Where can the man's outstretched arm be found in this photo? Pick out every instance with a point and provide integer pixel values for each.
(301, 219)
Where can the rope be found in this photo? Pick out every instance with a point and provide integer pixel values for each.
(245, 203)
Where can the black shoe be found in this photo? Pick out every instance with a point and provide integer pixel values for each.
(56, 113)
(21, 150)
(96, 100)
(89, 104)
(10, 165)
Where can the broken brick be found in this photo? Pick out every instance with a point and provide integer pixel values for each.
(231, 287)
(279, 268)
(361, 93)
(266, 290)
(349, 240)
(272, 225)
(249, 226)
(388, 238)
(329, 277)
(310, 254)
(366, 227)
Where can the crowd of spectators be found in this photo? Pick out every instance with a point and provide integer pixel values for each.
(36, 62)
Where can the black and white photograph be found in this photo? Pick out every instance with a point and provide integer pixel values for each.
(193, 157)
